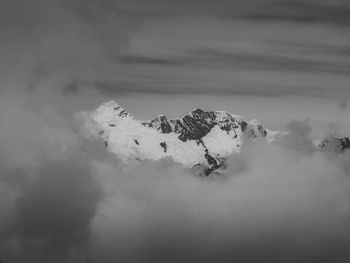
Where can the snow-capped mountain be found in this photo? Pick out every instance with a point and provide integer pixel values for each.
(203, 138)
(200, 138)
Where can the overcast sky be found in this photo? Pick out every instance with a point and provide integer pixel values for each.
(65, 199)
(255, 47)
(273, 60)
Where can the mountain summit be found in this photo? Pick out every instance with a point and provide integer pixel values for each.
(204, 138)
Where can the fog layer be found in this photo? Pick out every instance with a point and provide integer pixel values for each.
(64, 199)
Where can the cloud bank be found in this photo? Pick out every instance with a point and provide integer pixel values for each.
(64, 199)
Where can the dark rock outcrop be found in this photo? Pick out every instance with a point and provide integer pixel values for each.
(195, 125)
(344, 143)
(164, 146)
(335, 145)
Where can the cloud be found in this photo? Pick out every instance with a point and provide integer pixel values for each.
(283, 205)
(343, 105)
(302, 11)
(53, 213)
(48, 192)
(65, 199)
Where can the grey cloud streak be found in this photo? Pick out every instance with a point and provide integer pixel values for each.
(303, 11)
(180, 46)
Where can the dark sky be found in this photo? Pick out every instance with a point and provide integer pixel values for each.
(165, 46)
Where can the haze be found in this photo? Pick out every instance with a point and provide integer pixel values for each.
(65, 199)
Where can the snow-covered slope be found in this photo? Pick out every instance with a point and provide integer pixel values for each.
(198, 138)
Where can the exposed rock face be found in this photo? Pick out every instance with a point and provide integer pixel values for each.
(344, 143)
(196, 124)
(204, 138)
(160, 123)
(335, 145)
(164, 146)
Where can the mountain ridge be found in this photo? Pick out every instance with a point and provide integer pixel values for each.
(199, 138)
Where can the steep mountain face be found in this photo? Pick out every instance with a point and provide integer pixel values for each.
(204, 138)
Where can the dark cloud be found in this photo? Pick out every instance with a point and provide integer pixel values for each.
(48, 192)
(218, 59)
(53, 214)
(302, 11)
(126, 44)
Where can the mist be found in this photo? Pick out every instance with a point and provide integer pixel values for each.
(275, 204)
(64, 198)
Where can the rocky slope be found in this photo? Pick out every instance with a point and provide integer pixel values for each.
(334, 145)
